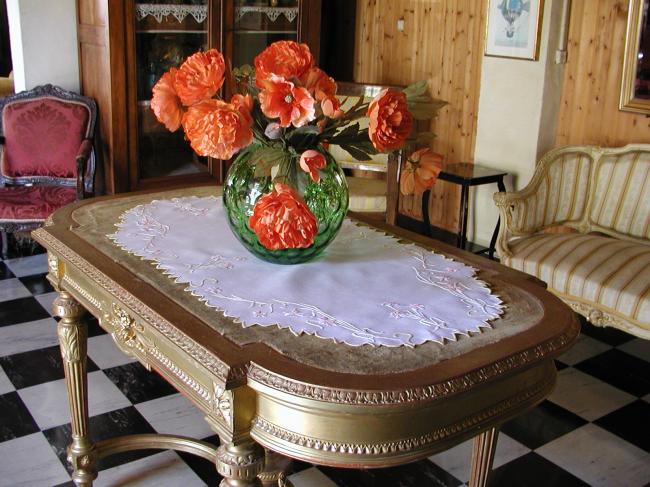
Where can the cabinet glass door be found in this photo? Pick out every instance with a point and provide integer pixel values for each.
(166, 33)
(259, 23)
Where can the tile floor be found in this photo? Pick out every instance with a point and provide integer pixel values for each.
(593, 430)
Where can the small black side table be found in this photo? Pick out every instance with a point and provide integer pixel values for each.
(467, 175)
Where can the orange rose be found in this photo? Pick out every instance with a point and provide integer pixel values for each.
(282, 99)
(282, 220)
(420, 172)
(287, 59)
(319, 84)
(200, 76)
(390, 121)
(217, 129)
(310, 162)
(165, 102)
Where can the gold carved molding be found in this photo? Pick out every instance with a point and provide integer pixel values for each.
(53, 264)
(262, 429)
(166, 362)
(601, 317)
(130, 335)
(449, 387)
(222, 403)
(126, 332)
(207, 359)
(242, 463)
(72, 341)
(85, 294)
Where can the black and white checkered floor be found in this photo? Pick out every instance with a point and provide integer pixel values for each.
(593, 430)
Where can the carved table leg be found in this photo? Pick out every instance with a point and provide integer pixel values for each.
(240, 464)
(73, 335)
(482, 457)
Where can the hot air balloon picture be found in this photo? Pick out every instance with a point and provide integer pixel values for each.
(513, 28)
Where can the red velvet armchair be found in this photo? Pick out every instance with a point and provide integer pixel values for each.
(46, 155)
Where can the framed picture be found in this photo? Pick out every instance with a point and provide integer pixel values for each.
(635, 88)
(513, 28)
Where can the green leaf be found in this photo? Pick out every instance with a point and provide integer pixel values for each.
(265, 158)
(305, 129)
(350, 130)
(243, 71)
(304, 136)
(425, 110)
(416, 89)
(366, 146)
(355, 152)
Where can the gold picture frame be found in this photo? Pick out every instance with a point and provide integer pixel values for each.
(635, 85)
(513, 29)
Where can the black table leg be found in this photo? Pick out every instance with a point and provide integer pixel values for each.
(462, 221)
(495, 234)
(425, 213)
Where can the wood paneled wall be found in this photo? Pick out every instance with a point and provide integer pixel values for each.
(589, 112)
(443, 43)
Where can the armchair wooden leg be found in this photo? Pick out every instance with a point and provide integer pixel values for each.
(4, 252)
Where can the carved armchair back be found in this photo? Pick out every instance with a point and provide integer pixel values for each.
(46, 138)
(349, 94)
(584, 187)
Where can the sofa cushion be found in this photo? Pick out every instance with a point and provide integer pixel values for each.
(33, 203)
(608, 272)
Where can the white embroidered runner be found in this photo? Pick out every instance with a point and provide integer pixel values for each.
(365, 289)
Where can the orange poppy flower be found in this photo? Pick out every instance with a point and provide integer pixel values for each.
(390, 121)
(217, 129)
(310, 162)
(282, 99)
(282, 220)
(165, 103)
(200, 76)
(420, 171)
(319, 84)
(244, 105)
(287, 59)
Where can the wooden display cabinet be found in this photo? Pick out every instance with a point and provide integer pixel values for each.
(124, 48)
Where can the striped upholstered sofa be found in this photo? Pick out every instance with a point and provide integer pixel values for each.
(601, 268)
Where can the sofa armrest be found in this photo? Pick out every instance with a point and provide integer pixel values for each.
(519, 210)
(512, 207)
(549, 198)
(83, 154)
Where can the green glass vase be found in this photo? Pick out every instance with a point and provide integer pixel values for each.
(327, 200)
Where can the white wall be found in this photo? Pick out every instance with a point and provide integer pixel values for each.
(518, 106)
(43, 37)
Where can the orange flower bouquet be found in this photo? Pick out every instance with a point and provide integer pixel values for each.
(285, 195)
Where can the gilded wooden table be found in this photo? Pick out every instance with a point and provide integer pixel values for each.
(302, 397)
